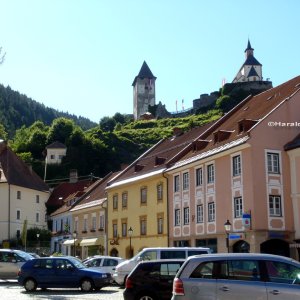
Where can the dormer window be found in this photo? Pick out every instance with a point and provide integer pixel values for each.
(138, 168)
(199, 144)
(245, 125)
(221, 135)
(159, 160)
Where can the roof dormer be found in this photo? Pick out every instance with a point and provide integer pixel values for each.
(199, 144)
(222, 135)
(245, 124)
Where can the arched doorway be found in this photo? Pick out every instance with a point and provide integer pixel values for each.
(114, 252)
(241, 247)
(275, 246)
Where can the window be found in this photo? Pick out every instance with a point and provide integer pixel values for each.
(18, 215)
(37, 217)
(143, 195)
(124, 229)
(37, 199)
(115, 201)
(211, 212)
(143, 225)
(177, 217)
(204, 270)
(101, 222)
(18, 194)
(160, 225)
(238, 207)
(85, 225)
(247, 270)
(185, 184)
(236, 165)
(210, 173)
(280, 272)
(76, 225)
(275, 206)
(176, 183)
(52, 156)
(273, 163)
(159, 189)
(199, 177)
(94, 223)
(115, 230)
(186, 216)
(124, 200)
(172, 254)
(200, 213)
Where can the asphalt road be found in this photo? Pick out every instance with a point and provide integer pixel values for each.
(10, 290)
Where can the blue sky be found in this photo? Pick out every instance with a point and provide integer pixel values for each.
(81, 56)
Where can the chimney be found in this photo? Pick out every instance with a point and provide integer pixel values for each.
(73, 176)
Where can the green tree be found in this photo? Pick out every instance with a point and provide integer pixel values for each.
(3, 133)
(60, 130)
(107, 124)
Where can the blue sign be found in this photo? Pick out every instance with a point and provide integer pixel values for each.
(246, 220)
(235, 236)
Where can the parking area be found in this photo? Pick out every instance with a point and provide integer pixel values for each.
(10, 290)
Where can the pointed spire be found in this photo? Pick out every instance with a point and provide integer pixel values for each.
(145, 72)
(249, 46)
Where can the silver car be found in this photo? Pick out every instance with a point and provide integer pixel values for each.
(11, 261)
(236, 276)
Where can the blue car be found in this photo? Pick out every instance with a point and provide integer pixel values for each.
(61, 272)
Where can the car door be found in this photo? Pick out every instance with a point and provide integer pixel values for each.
(44, 273)
(108, 265)
(283, 281)
(240, 279)
(66, 274)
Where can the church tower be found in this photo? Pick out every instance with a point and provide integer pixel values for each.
(251, 70)
(143, 91)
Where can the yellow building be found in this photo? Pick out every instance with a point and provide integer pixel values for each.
(137, 198)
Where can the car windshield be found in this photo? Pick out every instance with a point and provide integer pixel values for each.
(24, 255)
(77, 263)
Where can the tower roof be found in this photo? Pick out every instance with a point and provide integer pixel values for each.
(145, 72)
(248, 46)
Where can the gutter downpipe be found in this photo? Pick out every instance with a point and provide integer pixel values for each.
(168, 234)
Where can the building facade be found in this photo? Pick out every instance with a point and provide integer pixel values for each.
(239, 171)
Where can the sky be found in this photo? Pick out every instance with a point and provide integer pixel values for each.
(81, 56)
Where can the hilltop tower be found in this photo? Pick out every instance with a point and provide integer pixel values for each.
(251, 70)
(143, 91)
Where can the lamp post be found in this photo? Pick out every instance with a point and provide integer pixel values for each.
(227, 226)
(74, 237)
(130, 231)
(38, 243)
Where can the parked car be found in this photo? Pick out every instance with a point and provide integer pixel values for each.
(11, 261)
(152, 280)
(61, 272)
(125, 267)
(103, 263)
(246, 276)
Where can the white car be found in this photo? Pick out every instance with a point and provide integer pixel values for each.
(11, 261)
(105, 264)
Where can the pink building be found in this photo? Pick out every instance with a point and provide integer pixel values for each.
(245, 169)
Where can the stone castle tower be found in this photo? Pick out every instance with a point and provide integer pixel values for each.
(251, 70)
(143, 91)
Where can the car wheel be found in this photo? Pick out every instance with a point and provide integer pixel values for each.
(145, 296)
(30, 285)
(86, 285)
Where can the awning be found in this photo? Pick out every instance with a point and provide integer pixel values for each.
(70, 242)
(92, 241)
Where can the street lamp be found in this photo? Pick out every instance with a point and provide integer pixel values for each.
(227, 226)
(74, 237)
(38, 243)
(130, 232)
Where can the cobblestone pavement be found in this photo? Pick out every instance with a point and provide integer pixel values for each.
(10, 290)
